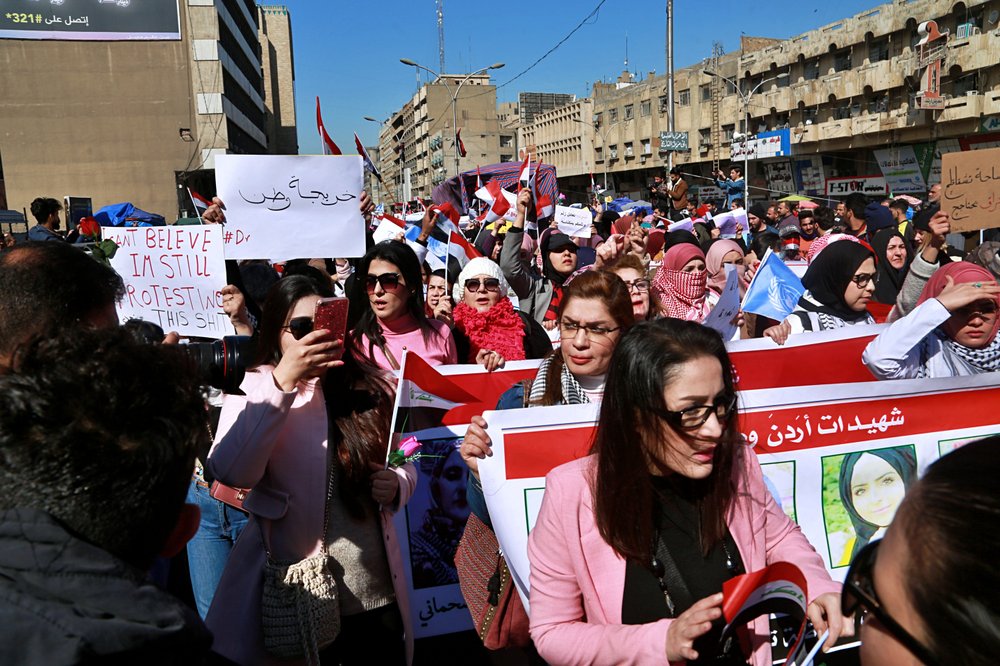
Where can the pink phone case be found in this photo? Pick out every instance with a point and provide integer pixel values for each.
(331, 314)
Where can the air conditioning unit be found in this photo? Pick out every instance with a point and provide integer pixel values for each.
(642, 159)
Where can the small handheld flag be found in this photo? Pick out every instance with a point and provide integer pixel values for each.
(329, 147)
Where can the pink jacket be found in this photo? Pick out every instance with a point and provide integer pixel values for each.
(578, 580)
(275, 443)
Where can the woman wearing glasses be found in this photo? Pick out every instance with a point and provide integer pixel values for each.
(395, 320)
(594, 314)
(952, 331)
(312, 412)
(668, 454)
(930, 590)
(839, 284)
(488, 330)
(645, 306)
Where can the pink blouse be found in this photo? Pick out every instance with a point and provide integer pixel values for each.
(436, 345)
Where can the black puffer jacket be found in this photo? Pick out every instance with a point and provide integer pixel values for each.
(65, 601)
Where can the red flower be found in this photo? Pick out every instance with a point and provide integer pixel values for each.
(88, 226)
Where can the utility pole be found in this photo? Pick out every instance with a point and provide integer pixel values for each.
(670, 76)
(440, 19)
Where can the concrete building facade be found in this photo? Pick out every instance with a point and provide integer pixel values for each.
(278, 67)
(133, 120)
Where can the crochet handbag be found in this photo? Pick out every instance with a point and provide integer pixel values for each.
(488, 588)
(300, 609)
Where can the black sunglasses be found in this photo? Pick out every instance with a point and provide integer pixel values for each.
(389, 281)
(299, 327)
(491, 284)
(694, 417)
(859, 593)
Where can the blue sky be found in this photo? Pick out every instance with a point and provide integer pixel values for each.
(348, 51)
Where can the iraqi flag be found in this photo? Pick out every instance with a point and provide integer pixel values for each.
(389, 227)
(201, 204)
(525, 176)
(459, 143)
(369, 165)
(329, 147)
(460, 248)
(778, 588)
(543, 203)
(421, 385)
(498, 209)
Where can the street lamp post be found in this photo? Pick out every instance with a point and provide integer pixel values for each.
(604, 145)
(454, 97)
(745, 98)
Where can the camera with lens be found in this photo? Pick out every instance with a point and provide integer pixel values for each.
(223, 363)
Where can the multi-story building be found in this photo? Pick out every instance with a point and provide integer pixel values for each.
(417, 144)
(531, 104)
(563, 137)
(275, 32)
(828, 99)
(133, 119)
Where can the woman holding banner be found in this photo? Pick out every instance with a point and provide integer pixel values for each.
(308, 436)
(952, 331)
(389, 280)
(667, 454)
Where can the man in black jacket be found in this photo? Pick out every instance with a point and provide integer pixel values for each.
(97, 441)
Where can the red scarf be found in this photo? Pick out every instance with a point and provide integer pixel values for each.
(681, 294)
(499, 329)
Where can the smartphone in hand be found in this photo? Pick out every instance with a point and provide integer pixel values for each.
(331, 314)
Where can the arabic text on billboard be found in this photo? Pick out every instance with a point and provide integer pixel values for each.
(93, 20)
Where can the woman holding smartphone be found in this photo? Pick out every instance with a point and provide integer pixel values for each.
(309, 437)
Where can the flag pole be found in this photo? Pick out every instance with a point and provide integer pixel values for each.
(395, 407)
(191, 197)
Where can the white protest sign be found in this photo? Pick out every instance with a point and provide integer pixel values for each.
(291, 206)
(722, 316)
(574, 222)
(173, 276)
(726, 222)
(387, 229)
(803, 443)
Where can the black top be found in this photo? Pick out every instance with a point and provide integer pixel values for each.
(679, 531)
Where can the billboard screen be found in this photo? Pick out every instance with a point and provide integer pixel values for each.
(95, 20)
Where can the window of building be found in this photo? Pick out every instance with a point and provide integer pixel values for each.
(784, 77)
(730, 88)
(506, 158)
(647, 147)
(727, 132)
(613, 151)
(705, 136)
(878, 50)
(842, 61)
(811, 71)
(599, 154)
(645, 108)
(629, 111)
(842, 110)
(628, 149)
(598, 117)
(964, 85)
(613, 115)
(663, 104)
(706, 93)
(810, 115)
(684, 98)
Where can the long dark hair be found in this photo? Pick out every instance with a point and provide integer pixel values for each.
(403, 258)
(358, 398)
(629, 433)
(601, 286)
(949, 522)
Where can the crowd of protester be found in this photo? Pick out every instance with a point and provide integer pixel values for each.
(108, 446)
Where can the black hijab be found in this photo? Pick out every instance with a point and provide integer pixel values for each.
(828, 276)
(890, 280)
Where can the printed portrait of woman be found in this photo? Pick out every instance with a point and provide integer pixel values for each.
(871, 487)
(433, 545)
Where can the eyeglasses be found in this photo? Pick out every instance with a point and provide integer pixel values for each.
(981, 309)
(859, 593)
(599, 334)
(862, 279)
(299, 327)
(641, 286)
(389, 281)
(491, 284)
(695, 417)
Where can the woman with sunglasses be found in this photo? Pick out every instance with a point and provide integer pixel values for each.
(539, 295)
(389, 280)
(839, 284)
(630, 269)
(488, 330)
(312, 413)
(952, 331)
(929, 592)
(667, 454)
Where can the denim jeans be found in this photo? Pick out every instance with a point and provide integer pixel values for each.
(209, 550)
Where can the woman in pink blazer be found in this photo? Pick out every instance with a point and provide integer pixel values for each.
(274, 440)
(632, 544)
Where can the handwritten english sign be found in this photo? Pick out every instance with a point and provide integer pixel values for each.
(574, 222)
(970, 188)
(283, 207)
(173, 277)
